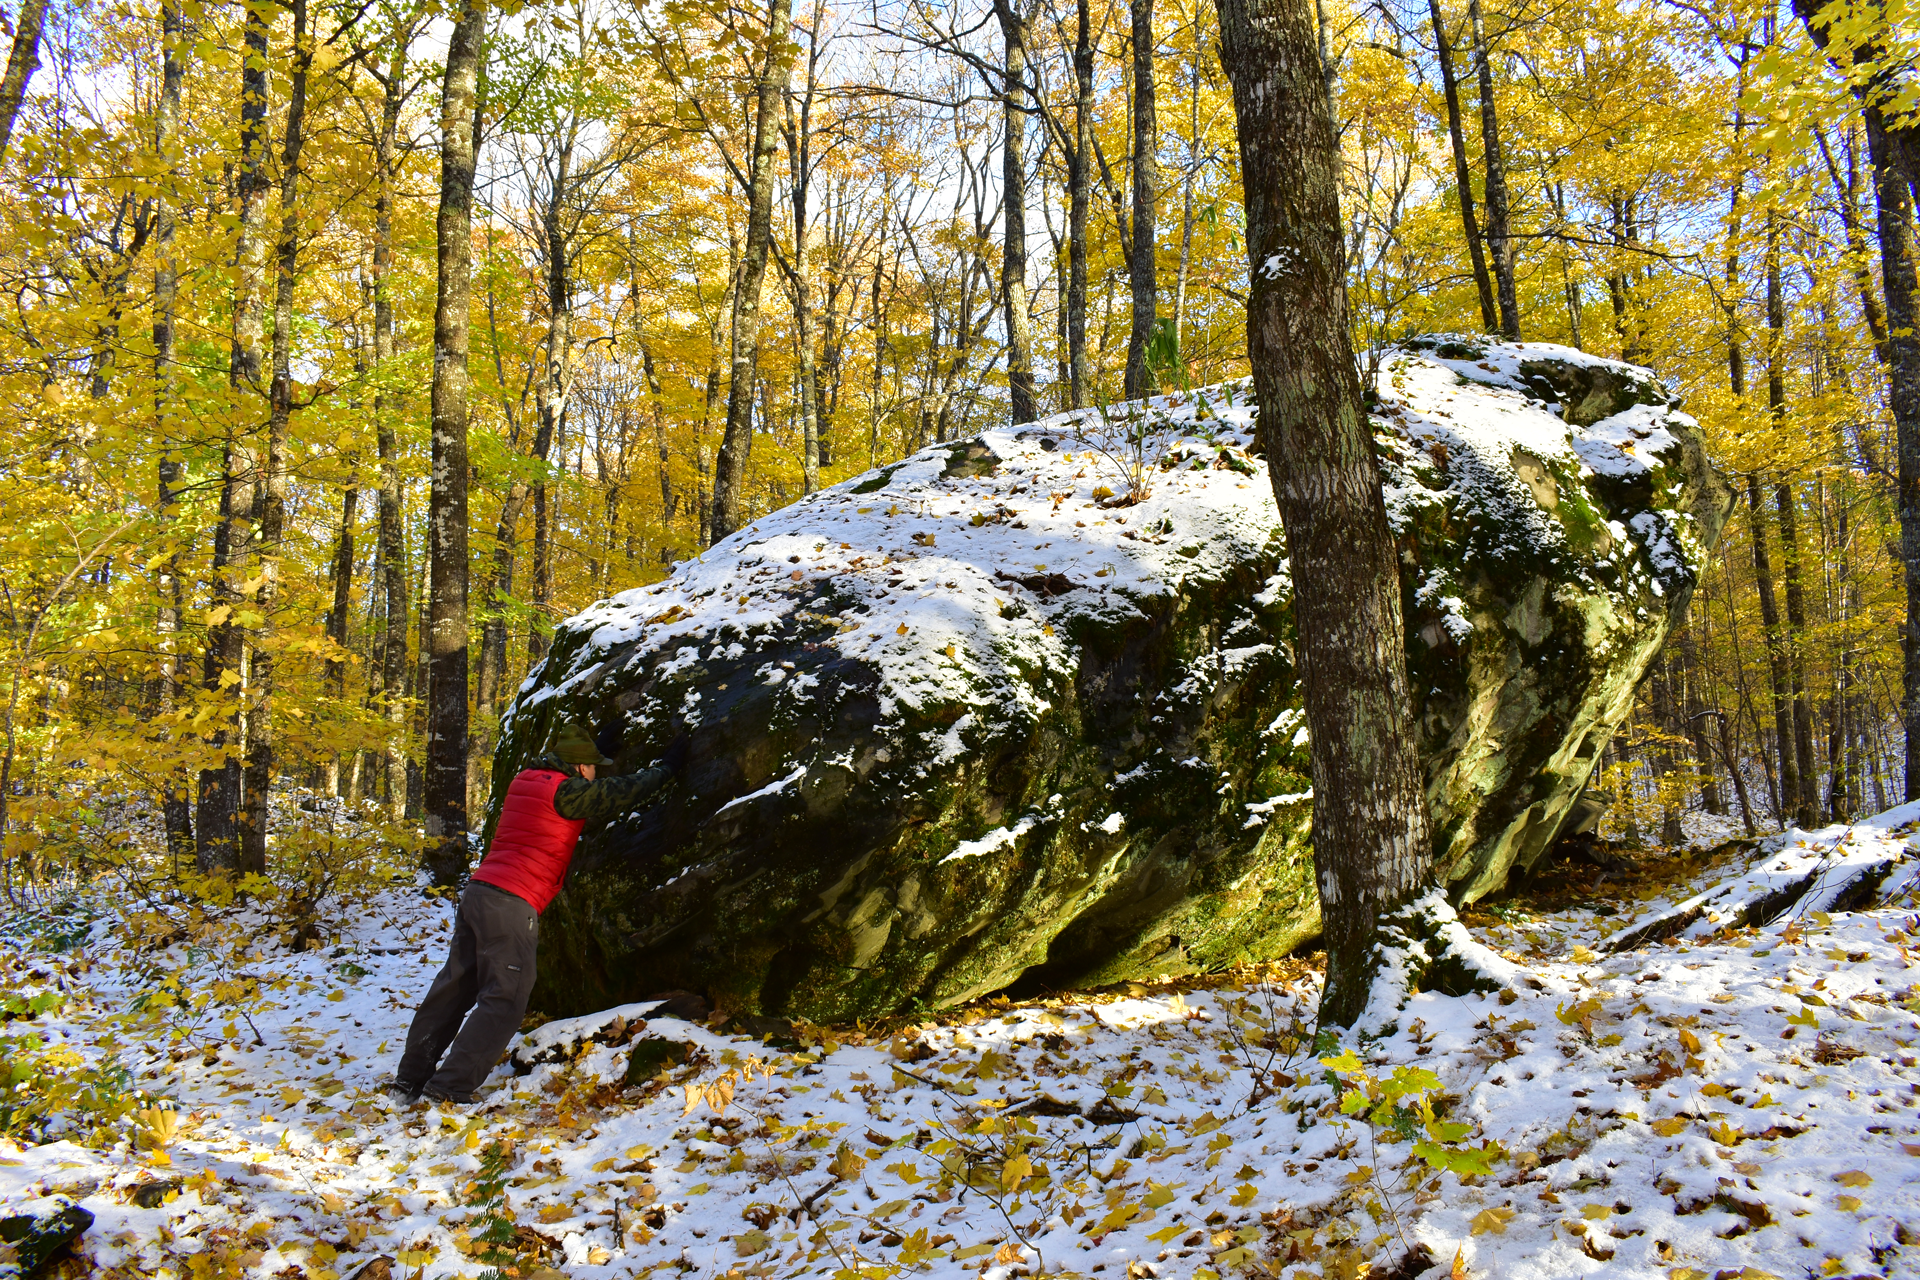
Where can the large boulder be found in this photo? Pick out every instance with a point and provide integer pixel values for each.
(971, 719)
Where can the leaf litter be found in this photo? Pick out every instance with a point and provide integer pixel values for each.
(1719, 1102)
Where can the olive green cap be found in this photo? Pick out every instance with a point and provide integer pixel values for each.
(575, 745)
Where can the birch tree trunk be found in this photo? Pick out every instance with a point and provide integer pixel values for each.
(1372, 847)
(445, 798)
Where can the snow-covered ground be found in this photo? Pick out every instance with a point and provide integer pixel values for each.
(1709, 1105)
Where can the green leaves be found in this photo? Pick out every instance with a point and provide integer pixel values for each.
(1463, 1160)
(1403, 1104)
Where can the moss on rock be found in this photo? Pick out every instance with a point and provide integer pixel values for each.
(961, 721)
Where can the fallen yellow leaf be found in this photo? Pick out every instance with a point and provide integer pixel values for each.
(1670, 1126)
(1494, 1220)
(1853, 1178)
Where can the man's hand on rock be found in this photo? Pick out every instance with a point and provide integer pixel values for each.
(674, 758)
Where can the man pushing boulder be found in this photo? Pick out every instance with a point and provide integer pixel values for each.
(490, 966)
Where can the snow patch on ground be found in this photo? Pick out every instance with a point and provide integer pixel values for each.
(1709, 1103)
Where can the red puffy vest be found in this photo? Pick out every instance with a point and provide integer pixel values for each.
(532, 844)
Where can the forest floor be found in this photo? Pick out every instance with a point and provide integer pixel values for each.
(1723, 1101)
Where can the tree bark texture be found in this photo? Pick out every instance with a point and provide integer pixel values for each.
(1462, 171)
(340, 614)
(1806, 801)
(177, 804)
(270, 495)
(445, 798)
(1372, 845)
(1013, 194)
(1780, 683)
(1899, 246)
(800, 173)
(393, 545)
(1499, 226)
(1186, 195)
(1800, 799)
(1893, 147)
(219, 807)
(736, 444)
(22, 61)
(1141, 267)
(1079, 202)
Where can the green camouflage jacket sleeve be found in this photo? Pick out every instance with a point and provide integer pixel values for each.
(583, 801)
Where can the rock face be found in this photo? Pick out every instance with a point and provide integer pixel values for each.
(970, 718)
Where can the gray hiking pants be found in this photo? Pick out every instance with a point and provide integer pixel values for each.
(489, 970)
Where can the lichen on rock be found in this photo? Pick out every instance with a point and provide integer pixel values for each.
(966, 720)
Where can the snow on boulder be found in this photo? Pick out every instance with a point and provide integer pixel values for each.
(998, 712)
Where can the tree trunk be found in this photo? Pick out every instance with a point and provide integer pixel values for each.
(446, 768)
(492, 666)
(177, 806)
(1893, 147)
(1859, 264)
(1893, 199)
(1801, 797)
(1141, 274)
(217, 808)
(1079, 201)
(1733, 771)
(1693, 676)
(420, 683)
(393, 546)
(736, 445)
(343, 561)
(270, 496)
(1789, 772)
(21, 63)
(1186, 195)
(1462, 172)
(800, 171)
(499, 589)
(1659, 688)
(1499, 230)
(218, 816)
(1013, 194)
(1807, 803)
(340, 613)
(1372, 847)
(543, 526)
